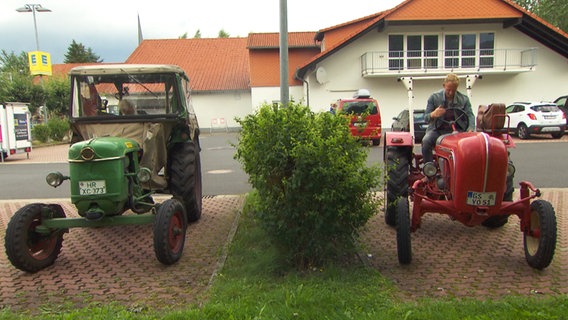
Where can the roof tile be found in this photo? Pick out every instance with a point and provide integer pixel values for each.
(416, 10)
(272, 40)
(212, 64)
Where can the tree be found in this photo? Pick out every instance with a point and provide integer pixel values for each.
(14, 64)
(16, 81)
(77, 53)
(183, 36)
(197, 34)
(58, 95)
(553, 11)
(223, 34)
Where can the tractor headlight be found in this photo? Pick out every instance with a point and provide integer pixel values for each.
(55, 179)
(430, 169)
(144, 175)
(87, 153)
(510, 169)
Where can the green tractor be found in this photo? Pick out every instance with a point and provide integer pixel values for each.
(134, 135)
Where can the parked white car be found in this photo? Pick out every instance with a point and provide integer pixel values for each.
(526, 118)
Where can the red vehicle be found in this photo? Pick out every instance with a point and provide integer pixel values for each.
(364, 114)
(470, 180)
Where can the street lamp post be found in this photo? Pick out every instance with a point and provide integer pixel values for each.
(33, 8)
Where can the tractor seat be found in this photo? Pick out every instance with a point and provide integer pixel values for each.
(491, 118)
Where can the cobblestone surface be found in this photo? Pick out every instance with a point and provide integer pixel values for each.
(451, 259)
(118, 263)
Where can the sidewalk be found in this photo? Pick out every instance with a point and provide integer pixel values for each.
(44, 154)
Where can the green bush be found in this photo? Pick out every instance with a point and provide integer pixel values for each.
(40, 132)
(315, 191)
(58, 128)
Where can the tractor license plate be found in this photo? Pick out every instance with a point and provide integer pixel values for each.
(92, 187)
(481, 198)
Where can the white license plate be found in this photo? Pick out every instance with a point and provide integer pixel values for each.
(92, 187)
(481, 198)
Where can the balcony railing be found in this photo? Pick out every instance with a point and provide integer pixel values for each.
(385, 63)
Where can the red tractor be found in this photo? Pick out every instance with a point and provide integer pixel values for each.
(470, 180)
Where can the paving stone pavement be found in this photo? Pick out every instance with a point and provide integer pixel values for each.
(118, 263)
(453, 260)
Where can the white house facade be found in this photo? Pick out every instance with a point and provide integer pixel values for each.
(522, 68)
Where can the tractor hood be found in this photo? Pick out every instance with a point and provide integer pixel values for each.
(102, 148)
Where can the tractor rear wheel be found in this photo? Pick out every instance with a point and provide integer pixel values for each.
(397, 168)
(403, 243)
(540, 239)
(184, 176)
(27, 249)
(169, 231)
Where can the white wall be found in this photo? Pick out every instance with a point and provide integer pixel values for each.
(548, 81)
(267, 95)
(221, 105)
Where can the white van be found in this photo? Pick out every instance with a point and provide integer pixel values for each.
(15, 129)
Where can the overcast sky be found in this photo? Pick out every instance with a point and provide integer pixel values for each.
(109, 27)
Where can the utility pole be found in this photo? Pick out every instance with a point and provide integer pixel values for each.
(284, 88)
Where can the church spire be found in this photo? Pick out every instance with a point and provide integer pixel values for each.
(140, 37)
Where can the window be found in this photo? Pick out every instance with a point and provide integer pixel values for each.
(468, 50)
(451, 53)
(431, 52)
(486, 52)
(414, 52)
(396, 52)
(421, 52)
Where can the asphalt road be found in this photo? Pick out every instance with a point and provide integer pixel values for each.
(540, 161)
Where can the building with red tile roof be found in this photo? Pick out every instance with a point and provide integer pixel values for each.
(501, 52)
(514, 54)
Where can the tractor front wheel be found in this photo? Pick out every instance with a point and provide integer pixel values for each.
(540, 239)
(26, 248)
(403, 243)
(169, 231)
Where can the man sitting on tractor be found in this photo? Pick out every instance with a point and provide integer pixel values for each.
(438, 102)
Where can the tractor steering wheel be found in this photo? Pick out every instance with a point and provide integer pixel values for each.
(460, 122)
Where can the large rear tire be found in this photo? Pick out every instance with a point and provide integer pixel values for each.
(397, 168)
(540, 240)
(403, 242)
(27, 249)
(169, 231)
(184, 176)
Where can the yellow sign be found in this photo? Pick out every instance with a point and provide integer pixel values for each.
(40, 63)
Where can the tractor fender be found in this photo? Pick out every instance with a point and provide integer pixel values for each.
(398, 139)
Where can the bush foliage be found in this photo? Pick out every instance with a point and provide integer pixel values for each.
(40, 132)
(315, 191)
(58, 128)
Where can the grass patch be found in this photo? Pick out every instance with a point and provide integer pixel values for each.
(256, 284)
